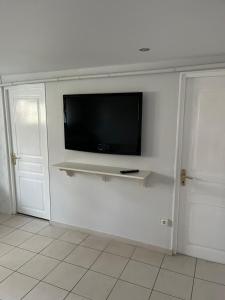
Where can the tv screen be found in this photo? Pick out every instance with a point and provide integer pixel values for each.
(103, 123)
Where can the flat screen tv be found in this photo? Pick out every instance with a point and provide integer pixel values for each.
(103, 123)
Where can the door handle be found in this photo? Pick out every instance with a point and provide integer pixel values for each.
(184, 176)
(14, 158)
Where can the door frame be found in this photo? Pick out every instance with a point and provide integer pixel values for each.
(8, 133)
(184, 76)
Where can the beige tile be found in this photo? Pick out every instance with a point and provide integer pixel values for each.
(110, 264)
(148, 256)
(16, 286)
(94, 286)
(120, 248)
(4, 248)
(96, 242)
(160, 296)
(83, 257)
(4, 230)
(35, 226)
(45, 291)
(36, 243)
(58, 249)
(140, 274)
(65, 276)
(180, 263)
(15, 258)
(4, 218)
(72, 296)
(204, 290)
(52, 231)
(17, 221)
(174, 284)
(16, 237)
(73, 236)
(126, 291)
(4, 273)
(38, 267)
(210, 271)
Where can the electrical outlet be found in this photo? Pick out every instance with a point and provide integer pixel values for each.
(166, 222)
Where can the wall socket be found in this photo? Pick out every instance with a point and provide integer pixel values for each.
(166, 222)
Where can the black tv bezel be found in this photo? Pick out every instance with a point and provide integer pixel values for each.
(140, 103)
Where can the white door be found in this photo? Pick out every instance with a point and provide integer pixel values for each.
(29, 149)
(201, 230)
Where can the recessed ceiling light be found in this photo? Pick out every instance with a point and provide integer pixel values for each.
(145, 49)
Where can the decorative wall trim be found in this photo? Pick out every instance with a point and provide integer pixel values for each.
(103, 72)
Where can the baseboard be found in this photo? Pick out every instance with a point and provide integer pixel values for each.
(117, 238)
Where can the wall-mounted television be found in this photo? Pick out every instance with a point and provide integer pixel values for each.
(103, 123)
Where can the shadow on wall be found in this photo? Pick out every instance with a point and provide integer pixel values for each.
(4, 200)
(149, 121)
(156, 179)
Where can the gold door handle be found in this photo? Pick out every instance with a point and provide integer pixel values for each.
(14, 158)
(184, 176)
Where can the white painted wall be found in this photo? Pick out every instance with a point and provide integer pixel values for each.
(5, 204)
(119, 207)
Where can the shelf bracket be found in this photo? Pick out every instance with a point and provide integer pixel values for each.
(69, 173)
(106, 178)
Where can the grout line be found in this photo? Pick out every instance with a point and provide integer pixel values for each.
(129, 259)
(157, 276)
(192, 288)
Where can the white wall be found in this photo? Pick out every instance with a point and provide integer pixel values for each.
(119, 207)
(5, 204)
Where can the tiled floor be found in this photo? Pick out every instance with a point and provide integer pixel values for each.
(42, 261)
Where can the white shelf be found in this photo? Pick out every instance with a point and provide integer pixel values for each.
(105, 171)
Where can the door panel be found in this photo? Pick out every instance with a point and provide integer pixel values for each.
(29, 140)
(202, 200)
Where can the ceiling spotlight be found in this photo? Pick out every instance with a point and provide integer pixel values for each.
(144, 49)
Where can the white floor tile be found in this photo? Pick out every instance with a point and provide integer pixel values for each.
(148, 256)
(4, 230)
(34, 226)
(72, 296)
(16, 237)
(15, 258)
(120, 248)
(140, 274)
(174, 284)
(4, 273)
(45, 291)
(65, 276)
(16, 286)
(4, 248)
(127, 291)
(18, 220)
(110, 264)
(210, 271)
(52, 231)
(83, 257)
(204, 290)
(179, 263)
(94, 286)
(160, 296)
(58, 249)
(73, 236)
(96, 242)
(38, 267)
(36, 243)
(4, 218)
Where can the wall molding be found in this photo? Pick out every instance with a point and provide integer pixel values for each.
(103, 72)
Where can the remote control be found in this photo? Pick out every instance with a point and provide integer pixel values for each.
(129, 171)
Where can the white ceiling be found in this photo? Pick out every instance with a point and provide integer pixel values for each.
(45, 35)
